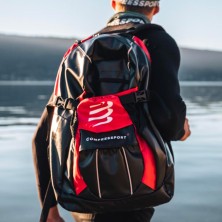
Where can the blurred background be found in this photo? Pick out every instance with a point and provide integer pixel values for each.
(34, 36)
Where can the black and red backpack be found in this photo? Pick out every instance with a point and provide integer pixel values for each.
(105, 152)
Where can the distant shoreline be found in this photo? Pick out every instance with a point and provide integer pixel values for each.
(32, 58)
(51, 83)
(27, 83)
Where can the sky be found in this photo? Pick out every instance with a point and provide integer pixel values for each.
(192, 23)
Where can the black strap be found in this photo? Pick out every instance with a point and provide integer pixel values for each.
(47, 204)
(132, 28)
(136, 97)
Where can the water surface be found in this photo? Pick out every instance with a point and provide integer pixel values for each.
(198, 192)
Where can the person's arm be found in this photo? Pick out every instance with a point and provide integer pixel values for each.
(40, 144)
(167, 106)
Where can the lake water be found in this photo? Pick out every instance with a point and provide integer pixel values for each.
(198, 196)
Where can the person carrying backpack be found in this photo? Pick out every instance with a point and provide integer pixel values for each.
(124, 114)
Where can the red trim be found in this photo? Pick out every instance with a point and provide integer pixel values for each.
(123, 93)
(79, 183)
(149, 174)
(90, 37)
(81, 97)
(70, 49)
(141, 44)
(75, 45)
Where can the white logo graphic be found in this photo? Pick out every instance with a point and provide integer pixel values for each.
(99, 108)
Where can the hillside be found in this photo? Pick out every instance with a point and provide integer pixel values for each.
(200, 65)
(30, 58)
(37, 58)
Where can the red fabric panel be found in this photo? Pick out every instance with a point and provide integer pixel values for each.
(149, 175)
(102, 114)
(79, 183)
(141, 44)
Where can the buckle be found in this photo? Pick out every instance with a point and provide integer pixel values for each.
(59, 101)
(70, 103)
(142, 96)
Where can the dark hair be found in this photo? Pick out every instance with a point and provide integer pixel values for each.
(142, 10)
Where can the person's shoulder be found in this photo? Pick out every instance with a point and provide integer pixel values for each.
(155, 29)
(159, 38)
(160, 33)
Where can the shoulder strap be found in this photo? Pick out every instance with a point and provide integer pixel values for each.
(129, 28)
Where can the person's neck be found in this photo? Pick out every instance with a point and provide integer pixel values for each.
(135, 14)
(148, 16)
(123, 17)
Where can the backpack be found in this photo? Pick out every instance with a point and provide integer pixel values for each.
(105, 153)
